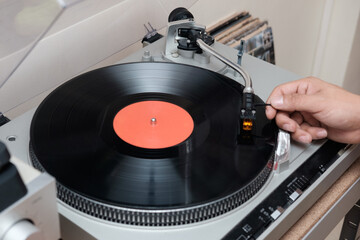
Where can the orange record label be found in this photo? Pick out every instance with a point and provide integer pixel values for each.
(153, 124)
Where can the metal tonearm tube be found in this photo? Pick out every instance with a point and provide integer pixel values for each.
(186, 35)
(247, 111)
(248, 83)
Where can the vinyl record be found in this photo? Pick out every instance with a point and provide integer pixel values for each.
(83, 135)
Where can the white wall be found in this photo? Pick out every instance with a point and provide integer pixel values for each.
(340, 45)
(352, 74)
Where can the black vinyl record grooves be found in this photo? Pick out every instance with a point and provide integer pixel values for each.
(213, 171)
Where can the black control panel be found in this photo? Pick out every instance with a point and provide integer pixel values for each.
(256, 222)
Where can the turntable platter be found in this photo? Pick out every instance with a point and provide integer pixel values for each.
(78, 136)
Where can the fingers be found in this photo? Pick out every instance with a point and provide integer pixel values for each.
(309, 85)
(294, 105)
(291, 103)
(270, 112)
(301, 136)
(283, 99)
(306, 133)
(286, 123)
(309, 119)
(286, 96)
(300, 129)
(296, 102)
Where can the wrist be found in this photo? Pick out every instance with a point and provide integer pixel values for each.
(356, 110)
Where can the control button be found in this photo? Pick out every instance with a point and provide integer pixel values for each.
(295, 194)
(353, 225)
(322, 169)
(247, 228)
(267, 223)
(242, 237)
(23, 230)
(277, 213)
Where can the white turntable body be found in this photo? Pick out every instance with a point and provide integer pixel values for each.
(42, 211)
(77, 225)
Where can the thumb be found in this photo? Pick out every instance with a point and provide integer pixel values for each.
(295, 102)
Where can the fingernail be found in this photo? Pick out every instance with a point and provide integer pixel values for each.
(304, 139)
(321, 134)
(277, 101)
(287, 127)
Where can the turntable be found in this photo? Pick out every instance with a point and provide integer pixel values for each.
(172, 142)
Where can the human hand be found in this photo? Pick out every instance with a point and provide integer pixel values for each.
(310, 109)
